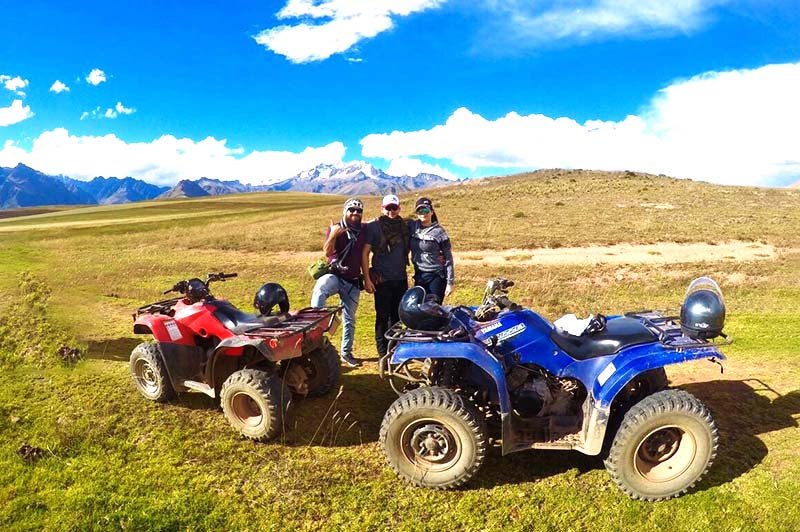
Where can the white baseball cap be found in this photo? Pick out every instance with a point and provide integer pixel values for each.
(391, 199)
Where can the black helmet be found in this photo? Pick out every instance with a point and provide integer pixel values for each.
(268, 296)
(703, 309)
(416, 312)
(196, 290)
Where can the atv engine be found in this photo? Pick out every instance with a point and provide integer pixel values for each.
(535, 392)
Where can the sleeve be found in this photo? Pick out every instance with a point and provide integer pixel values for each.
(447, 253)
(372, 234)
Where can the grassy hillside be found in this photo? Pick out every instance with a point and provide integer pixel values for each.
(115, 461)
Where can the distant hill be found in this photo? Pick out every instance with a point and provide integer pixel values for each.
(22, 186)
(184, 189)
(112, 190)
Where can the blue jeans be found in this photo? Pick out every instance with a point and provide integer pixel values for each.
(432, 282)
(329, 285)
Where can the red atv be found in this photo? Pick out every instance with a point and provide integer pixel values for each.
(208, 345)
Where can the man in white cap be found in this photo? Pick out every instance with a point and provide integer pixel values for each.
(343, 248)
(388, 239)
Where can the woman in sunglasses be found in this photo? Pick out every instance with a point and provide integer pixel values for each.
(431, 252)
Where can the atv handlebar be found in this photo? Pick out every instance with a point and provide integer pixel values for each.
(220, 276)
(182, 287)
(495, 299)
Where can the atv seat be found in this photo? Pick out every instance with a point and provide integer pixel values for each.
(618, 334)
(239, 322)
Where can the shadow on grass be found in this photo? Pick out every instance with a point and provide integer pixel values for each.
(743, 410)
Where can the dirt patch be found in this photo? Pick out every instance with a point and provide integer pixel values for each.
(664, 253)
(628, 254)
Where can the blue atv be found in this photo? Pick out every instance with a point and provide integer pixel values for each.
(466, 375)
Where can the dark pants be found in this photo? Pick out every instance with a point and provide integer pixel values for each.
(432, 282)
(387, 300)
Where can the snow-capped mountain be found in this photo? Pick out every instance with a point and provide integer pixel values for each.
(25, 187)
(357, 177)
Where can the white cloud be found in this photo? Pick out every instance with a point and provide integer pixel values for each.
(15, 113)
(412, 167)
(110, 113)
(96, 77)
(164, 160)
(529, 24)
(121, 109)
(736, 127)
(346, 23)
(58, 87)
(14, 84)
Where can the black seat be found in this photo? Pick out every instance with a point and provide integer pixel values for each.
(618, 334)
(239, 322)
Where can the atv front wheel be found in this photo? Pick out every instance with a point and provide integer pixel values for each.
(254, 403)
(665, 444)
(433, 438)
(149, 372)
(323, 369)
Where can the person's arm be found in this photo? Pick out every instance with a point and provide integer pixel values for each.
(447, 253)
(329, 247)
(368, 286)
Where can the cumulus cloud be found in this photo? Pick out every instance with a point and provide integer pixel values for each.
(96, 77)
(734, 127)
(14, 84)
(58, 87)
(164, 160)
(345, 23)
(530, 24)
(15, 113)
(412, 167)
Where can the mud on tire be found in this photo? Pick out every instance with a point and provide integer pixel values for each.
(433, 438)
(149, 373)
(254, 403)
(664, 446)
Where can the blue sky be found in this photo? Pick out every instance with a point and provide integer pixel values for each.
(259, 91)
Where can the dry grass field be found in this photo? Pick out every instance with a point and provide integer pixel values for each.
(574, 241)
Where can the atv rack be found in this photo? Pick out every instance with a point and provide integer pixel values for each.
(668, 330)
(398, 331)
(159, 307)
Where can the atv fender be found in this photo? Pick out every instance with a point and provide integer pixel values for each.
(617, 373)
(463, 350)
(164, 329)
(235, 346)
(631, 362)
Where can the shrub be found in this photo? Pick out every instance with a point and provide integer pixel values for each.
(26, 336)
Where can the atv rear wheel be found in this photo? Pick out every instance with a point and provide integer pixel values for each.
(665, 444)
(433, 438)
(149, 372)
(254, 403)
(322, 368)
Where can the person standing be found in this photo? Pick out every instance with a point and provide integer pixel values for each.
(343, 247)
(431, 252)
(389, 240)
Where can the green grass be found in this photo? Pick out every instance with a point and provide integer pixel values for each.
(115, 461)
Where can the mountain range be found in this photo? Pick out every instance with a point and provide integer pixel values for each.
(23, 186)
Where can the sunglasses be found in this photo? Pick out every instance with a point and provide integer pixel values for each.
(423, 210)
(353, 210)
(391, 207)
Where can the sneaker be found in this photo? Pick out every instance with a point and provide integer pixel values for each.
(351, 362)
